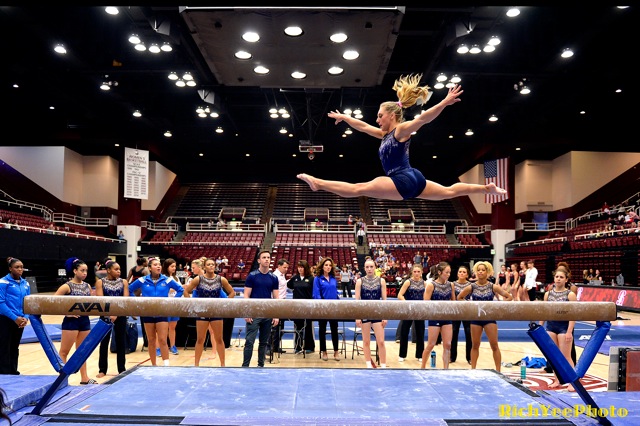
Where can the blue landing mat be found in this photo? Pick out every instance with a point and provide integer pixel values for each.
(249, 396)
(24, 392)
(622, 335)
(29, 336)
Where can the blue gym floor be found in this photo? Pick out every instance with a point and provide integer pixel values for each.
(288, 396)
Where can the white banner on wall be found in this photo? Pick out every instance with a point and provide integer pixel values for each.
(136, 173)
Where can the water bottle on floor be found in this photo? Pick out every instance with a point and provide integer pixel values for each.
(433, 359)
(523, 369)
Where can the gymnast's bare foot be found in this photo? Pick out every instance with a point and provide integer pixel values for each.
(491, 188)
(554, 384)
(311, 181)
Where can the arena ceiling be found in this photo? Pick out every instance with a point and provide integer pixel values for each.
(580, 103)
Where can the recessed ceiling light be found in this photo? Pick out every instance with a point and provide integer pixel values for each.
(298, 75)
(261, 70)
(60, 49)
(456, 79)
(180, 83)
(441, 77)
(166, 47)
(335, 71)
(493, 118)
(111, 10)
(241, 54)
(338, 37)
(134, 39)
(251, 37)
(469, 132)
(488, 48)
(566, 53)
(494, 41)
(438, 85)
(141, 47)
(513, 12)
(294, 31)
(219, 130)
(475, 49)
(462, 49)
(168, 134)
(137, 114)
(350, 55)
(201, 154)
(154, 48)
(173, 76)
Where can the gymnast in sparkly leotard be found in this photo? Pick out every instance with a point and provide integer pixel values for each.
(484, 290)
(372, 287)
(439, 288)
(561, 332)
(401, 181)
(209, 285)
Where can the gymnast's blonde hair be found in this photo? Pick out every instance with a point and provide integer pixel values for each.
(409, 92)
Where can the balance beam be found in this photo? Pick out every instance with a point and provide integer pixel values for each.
(318, 308)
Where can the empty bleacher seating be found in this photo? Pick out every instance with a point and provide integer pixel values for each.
(208, 199)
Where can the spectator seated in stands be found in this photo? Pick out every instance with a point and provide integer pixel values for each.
(120, 235)
(224, 261)
(241, 265)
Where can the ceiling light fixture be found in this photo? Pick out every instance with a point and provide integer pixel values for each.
(166, 47)
(134, 39)
(525, 90)
(60, 49)
(298, 75)
(441, 77)
(462, 49)
(168, 134)
(475, 49)
(338, 37)
(456, 79)
(512, 12)
(469, 132)
(111, 10)
(350, 55)
(137, 114)
(494, 41)
(173, 76)
(251, 37)
(348, 131)
(335, 70)
(140, 47)
(187, 76)
(566, 53)
(493, 118)
(219, 130)
(105, 86)
(283, 130)
(180, 83)
(241, 54)
(154, 48)
(294, 31)
(488, 48)
(438, 85)
(261, 70)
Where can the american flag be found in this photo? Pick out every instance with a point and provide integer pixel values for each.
(496, 171)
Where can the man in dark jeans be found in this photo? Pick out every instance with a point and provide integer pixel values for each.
(260, 284)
